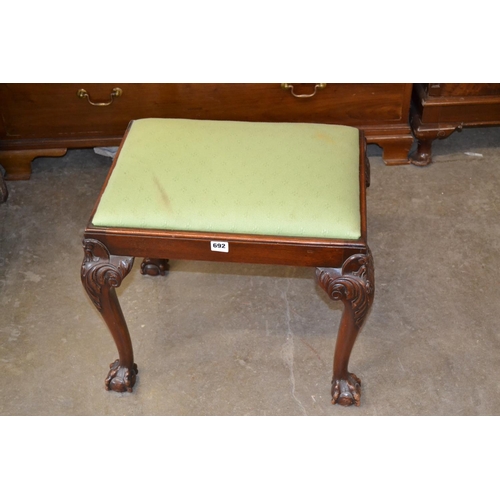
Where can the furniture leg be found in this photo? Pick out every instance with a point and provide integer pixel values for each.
(425, 134)
(422, 156)
(101, 274)
(154, 267)
(17, 164)
(4, 193)
(367, 171)
(354, 285)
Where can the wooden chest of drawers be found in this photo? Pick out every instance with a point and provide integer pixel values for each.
(438, 109)
(46, 119)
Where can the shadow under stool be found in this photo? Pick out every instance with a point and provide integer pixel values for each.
(289, 194)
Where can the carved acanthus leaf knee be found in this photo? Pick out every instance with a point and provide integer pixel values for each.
(100, 270)
(354, 284)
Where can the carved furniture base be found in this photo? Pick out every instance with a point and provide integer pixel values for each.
(354, 285)
(120, 378)
(17, 164)
(346, 392)
(101, 273)
(154, 267)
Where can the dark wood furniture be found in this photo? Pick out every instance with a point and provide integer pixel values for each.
(438, 109)
(344, 267)
(4, 194)
(46, 119)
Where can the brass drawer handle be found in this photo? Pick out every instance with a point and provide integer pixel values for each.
(287, 86)
(116, 92)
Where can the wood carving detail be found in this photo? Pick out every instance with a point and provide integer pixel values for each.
(346, 392)
(99, 270)
(120, 378)
(101, 274)
(355, 284)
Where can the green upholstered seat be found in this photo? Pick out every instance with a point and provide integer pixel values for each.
(284, 179)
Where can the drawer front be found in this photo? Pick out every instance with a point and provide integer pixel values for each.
(56, 111)
(463, 89)
(350, 104)
(470, 113)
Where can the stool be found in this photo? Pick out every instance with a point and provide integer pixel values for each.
(267, 193)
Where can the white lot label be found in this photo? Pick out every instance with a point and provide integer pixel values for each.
(219, 246)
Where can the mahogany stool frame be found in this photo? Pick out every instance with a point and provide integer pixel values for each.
(344, 269)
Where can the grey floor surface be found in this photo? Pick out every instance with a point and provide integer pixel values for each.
(226, 339)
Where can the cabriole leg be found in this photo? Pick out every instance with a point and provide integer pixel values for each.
(354, 285)
(101, 274)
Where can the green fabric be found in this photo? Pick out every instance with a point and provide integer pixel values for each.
(287, 179)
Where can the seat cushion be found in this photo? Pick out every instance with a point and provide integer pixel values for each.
(284, 179)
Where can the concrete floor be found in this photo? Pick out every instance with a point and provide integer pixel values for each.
(216, 339)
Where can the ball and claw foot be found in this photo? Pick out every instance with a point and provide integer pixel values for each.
(120, 378)
(154, 267)
(346, 392)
